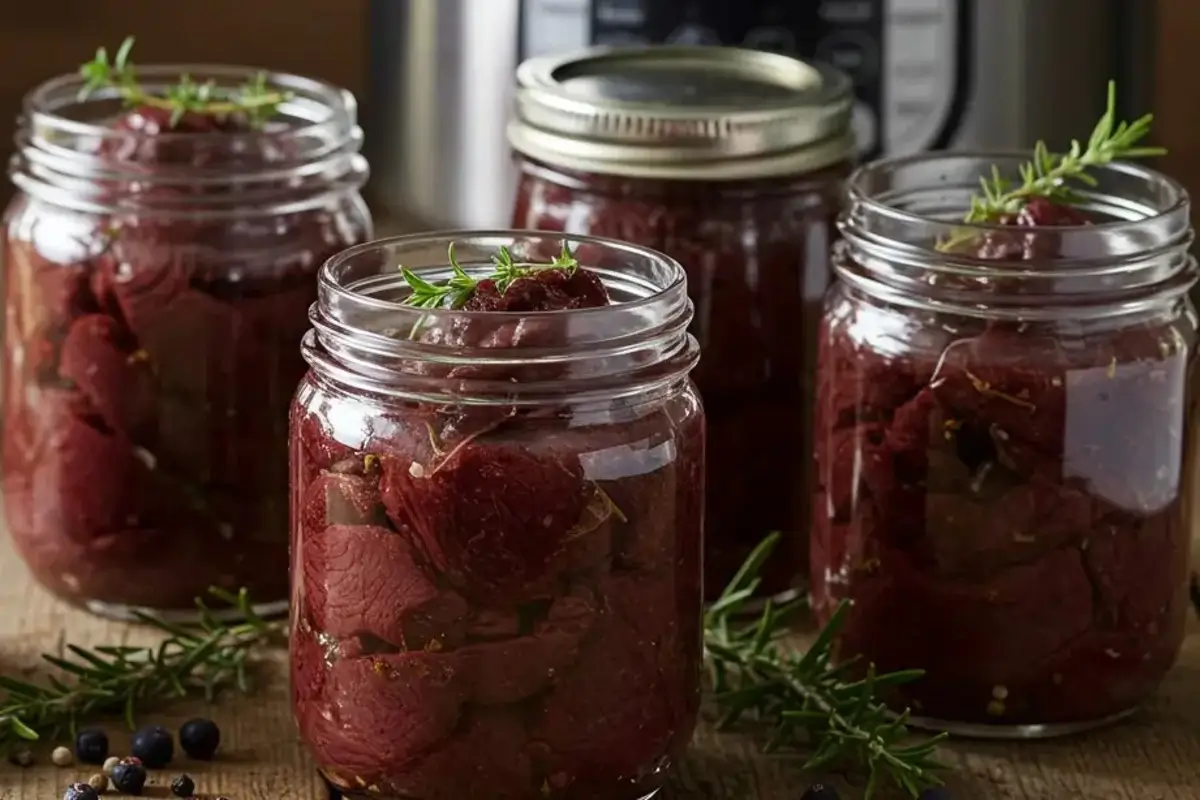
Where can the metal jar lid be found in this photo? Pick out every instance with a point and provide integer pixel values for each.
(692, 113)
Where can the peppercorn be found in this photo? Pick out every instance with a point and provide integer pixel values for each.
(109, 763)
(819, 791)
(80, 791)
(199, 738)
(99, 782)
(129, 776)
(22, 757)
(936, 793)
(91, 746)
(154, 746)
(183, 786)
(62, 757)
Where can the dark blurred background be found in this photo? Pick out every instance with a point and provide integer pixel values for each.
(432, 75)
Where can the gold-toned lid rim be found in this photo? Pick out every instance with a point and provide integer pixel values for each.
(686, 112)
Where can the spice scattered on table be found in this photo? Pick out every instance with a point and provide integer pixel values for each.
(936, 793)
(62, 757)
(199, 738)
(91, 746)
(99, 782)
(183, 786)
(80, 791)
(109, 763)
(22, 757)
(154, 746)
(204, 658)
(129, 776)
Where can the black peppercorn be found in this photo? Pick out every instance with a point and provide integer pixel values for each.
(80, 791)
(154, 746)
(199, 738)
(819, 791)
(91, 746)
(129, 776)
(936, 793)
(183, 786)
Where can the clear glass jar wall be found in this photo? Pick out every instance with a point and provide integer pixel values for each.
(158, 277)
(497, 522)
(1002, 441)
(740, 183)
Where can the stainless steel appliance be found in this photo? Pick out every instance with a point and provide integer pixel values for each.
(928, 74)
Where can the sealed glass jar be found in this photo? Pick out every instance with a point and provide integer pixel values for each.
(1002, 437)
(497, 523)
(158, 275)
(732, 162)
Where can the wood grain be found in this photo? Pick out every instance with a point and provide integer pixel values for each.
(1155, 756)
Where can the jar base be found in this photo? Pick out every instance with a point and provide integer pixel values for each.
(972, 730)
(128, 613)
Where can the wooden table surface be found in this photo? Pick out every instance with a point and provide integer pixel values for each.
(1155, 756)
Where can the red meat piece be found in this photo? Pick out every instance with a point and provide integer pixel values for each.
(631, 699)
(62, 292)
(491, 516)
(365, 579)
(486, 758)
(100, 484)
(190, 337)
(378, 716)
(342, 499)
(97, 357)
(510, 671)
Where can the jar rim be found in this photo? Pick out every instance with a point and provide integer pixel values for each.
(311, 150)
(43, 105)
(902, 210)
(633, 347)
(637, 111)
(1179, 202)
(327, 281)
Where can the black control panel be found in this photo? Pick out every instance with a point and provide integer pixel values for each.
(849, 34)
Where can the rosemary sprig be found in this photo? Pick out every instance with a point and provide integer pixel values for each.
(1048, 175)
(254, 100)
(203, 658)
(1056, 177)
(810, 702)
(457, 290)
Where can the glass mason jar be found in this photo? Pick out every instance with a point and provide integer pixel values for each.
(741, 183)
(1002, 438)
(157, 283)
(496, 530)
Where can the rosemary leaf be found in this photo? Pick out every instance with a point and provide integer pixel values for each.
(256, 101)
(810, 702)
(198, 659)
(457, 290)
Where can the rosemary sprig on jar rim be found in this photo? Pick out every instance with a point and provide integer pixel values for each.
(811, 703)
(459, 287)
(203, 659)
(255, 100)
(1057, 177)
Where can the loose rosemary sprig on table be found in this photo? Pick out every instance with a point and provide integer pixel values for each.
(203, 658)
(810, 703)
(457, 290)
(254, 100)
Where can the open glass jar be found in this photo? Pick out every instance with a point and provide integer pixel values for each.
(158, 277)
(1002, 438)
(732, 162)
(496, 532)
